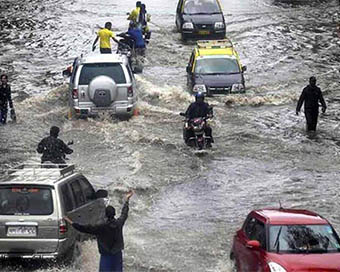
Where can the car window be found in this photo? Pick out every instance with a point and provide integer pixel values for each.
(191, 61)
(215, 65)
(74, 70)
(77, 193)
(303, 239)
(67, 198)
(255, 230)
(130, 72)
(87, 189)
(92, 70)
(201, 7)
(25, 200)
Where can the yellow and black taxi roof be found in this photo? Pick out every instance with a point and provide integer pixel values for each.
(215, 47)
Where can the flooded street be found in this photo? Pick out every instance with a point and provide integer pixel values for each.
(186, 207)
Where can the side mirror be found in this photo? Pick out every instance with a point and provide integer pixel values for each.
(101, 194)
(253, 244)
(182, 114)
(137, 70)
(67, 72)
(244, 68)
(188, 69)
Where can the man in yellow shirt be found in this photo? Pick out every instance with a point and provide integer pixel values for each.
(134, 15)
(104, 35)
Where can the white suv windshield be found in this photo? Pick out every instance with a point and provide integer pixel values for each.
(201, 7)
(18, 200)
(303, 239)
(92, 70)
(217, 66)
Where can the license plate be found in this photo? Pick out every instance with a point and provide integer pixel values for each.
(22, 231)
(203, 32)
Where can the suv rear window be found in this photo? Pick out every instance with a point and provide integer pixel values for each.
(25, 201)
(92, 70)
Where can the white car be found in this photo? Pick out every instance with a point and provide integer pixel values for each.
(102, 83)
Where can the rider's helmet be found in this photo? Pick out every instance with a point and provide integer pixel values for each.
(199, 97)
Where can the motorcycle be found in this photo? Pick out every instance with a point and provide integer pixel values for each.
(193, 132)
(127, 47)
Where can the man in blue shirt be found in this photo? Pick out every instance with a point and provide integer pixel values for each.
(137, 36)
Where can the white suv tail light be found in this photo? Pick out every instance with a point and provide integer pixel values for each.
(75, 94)
(130, 91)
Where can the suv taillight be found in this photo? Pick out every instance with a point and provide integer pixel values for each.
(62, 227)
(130, 91)
(75, 93)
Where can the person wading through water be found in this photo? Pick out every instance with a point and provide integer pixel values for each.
(311, 96)
(109, 237)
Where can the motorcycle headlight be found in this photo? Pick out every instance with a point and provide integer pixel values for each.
(219, 25)
(199, 88)
(188, 26)
(237, 88)
(274, 267)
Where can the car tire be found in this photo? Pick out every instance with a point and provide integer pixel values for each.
(233, 263)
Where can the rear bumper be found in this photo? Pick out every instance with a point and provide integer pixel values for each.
(31, 249)
(29, 255)
(120, 109)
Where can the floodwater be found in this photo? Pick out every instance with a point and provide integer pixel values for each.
(186, 207)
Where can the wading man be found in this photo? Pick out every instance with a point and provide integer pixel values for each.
(311, 96)
(5, 99)
(53, 149)
(104, 36)
(109, 237)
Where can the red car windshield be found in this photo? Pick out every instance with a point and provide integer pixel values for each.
(303, 239)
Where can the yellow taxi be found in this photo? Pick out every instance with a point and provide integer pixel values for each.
(215, 68)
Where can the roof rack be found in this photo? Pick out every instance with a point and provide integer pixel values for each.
(212, 44)
(36, 168)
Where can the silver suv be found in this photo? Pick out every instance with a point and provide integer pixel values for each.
(102, 83)
(33, 202)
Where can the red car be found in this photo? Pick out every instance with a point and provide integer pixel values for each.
(286, 240)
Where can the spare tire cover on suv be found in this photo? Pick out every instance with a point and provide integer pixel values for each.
(102, 91)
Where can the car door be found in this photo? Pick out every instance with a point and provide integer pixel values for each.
(72, 84)
(93, 208)
(190, 74)
(179, 15)
(250, 258)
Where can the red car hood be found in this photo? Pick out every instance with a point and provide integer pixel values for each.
(327, 262)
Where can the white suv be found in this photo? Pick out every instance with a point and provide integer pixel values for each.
(102, 83)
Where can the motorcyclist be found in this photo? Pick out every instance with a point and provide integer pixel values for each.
(5, 99)
(53, 149)
(199, 109)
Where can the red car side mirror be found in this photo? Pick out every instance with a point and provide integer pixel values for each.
(253, 244)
